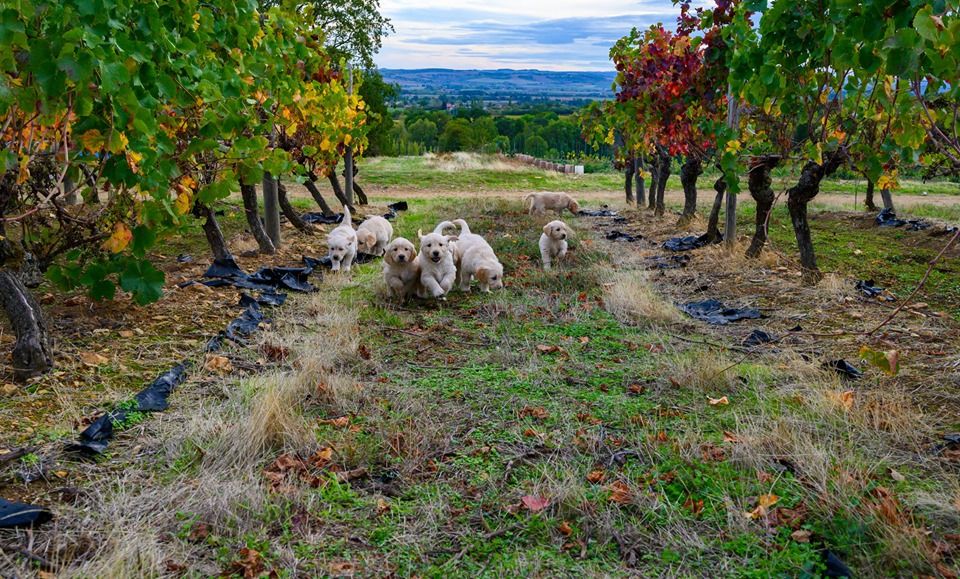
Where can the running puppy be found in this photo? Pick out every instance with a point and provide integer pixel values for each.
(401, 268)
(476, 259)
(342, 243)
(373, 235)
(553, 242)
(437, 269)
(539, 203)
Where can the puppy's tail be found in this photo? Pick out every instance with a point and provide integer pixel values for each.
(346, 216)
(443, 225)
(464, 228)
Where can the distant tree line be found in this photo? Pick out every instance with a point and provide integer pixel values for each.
(472, 127)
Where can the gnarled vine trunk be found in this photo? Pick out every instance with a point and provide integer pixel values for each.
(868, 200)
(357, 190)
(628, 182)
(338, 190)
(691, 169)
(665, 162)
(713, 225)
(654, 183)
(252, 211)
(639, 178)
(212, 231)
(290, 212)
(798, 197)
(311, 186)
(759, 183)
(32, 354)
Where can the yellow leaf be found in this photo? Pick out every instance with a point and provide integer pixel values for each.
(182, 203)
(196, 22)
(133, 161)
(764, 502)
(733, 146)
(347, 139)
(118, 142)
(119, 239)
(92, 140)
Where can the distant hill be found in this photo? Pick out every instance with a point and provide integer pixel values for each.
(500, 85)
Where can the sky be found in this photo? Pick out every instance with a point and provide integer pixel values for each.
(542, 34)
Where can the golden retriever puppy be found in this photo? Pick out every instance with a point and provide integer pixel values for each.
(553, 242)
(373, 235)
(437, 270)
(342, 243)
(540, 203)
(476, 259)
(401, 268)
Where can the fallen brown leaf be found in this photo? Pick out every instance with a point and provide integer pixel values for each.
(249, 565)
(722, 401)
(565, 529)
(93, 359)
(596, 476)
(801, 536)
(730, 437)
(218, 364)
(620, 493)
(341, 422)
(535, 504)
(537, 412)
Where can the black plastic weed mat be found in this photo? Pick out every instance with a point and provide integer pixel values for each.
(668, 261)
(871, 290)
(688, 243)
(325, 261)
(757, 338)
(154, 398)
(714, 312)
(617, 235)
(597, 213)
(15, 515)
(888, 218)
(319, 218)
(845, 369)
(226, 272)
(394, 207)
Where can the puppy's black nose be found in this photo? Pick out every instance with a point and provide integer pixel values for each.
(436, 254)
(563, 236)
(401, 258)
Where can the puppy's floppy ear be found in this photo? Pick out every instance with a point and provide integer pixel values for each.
(483, 274)
(420, 234)
(574, 206)
(546, 229)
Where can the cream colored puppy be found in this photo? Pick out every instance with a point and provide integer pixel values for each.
(342, 243)
(553, 242)
(437, 269)
(476, 259)
(401, 268)
(539, 203)
(373, 235)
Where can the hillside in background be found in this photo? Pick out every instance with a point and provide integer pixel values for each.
(500, 85)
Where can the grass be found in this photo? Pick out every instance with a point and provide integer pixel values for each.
(470, 172)
(557, 427)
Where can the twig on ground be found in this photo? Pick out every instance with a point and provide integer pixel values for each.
(923, 281)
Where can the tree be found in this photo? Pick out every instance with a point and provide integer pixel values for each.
(536, 146)
(165, 135)
(376, 93)
(424, 131)
(353, 29)
(457, 136)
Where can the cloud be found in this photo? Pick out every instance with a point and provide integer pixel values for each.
(550, 35)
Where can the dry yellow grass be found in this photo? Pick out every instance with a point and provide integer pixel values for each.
(630, 298)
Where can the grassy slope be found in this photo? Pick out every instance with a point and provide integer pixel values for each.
(436, 415)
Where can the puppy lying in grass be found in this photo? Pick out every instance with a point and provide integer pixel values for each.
(539, 203)
(553, 242)
(476, 259)
(342, 243)
(401, 268)
(437, 270)
(373, 235)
